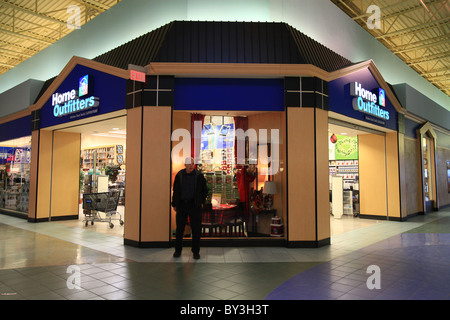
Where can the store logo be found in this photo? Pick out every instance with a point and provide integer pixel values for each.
(83, 87)
(70, 102)
(368, 102)
(381, 97)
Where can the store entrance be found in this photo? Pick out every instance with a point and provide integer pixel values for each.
(348, 193)
(101, 175)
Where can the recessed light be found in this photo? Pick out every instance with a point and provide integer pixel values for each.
(118, 132)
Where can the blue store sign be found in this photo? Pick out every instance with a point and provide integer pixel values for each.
(359, 96)
(84, 93)
(229, 94)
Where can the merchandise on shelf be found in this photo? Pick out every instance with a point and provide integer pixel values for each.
(106, 155)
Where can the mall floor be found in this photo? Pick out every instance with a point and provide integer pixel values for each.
(37, 261)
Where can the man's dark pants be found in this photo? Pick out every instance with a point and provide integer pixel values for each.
(187, 209)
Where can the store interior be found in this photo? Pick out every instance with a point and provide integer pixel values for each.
(102, 170)
(344, 183)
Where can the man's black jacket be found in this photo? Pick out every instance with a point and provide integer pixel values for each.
(201, 190)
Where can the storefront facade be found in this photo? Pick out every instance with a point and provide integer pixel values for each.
(192, 103)
(83, 92)
(364, 100)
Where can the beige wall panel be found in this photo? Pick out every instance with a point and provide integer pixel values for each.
(283, 170)
(323, 203)
(133, 175)
(393, 174)
(44, 175)
(65, 174)
(372, 175)
(413, 177)
(402, 174)
(301, 179)
(156, 174)
(442, 156)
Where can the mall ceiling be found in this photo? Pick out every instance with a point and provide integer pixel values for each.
(29, 26)
(417, 31)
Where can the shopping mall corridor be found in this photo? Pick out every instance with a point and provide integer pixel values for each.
(37, 261)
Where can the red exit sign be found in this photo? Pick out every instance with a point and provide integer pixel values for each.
(137, 76)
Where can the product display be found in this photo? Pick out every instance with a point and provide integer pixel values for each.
(276, 227)
(106, 155)
(15, 175)
(343, 169)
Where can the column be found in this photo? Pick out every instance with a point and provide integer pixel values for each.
(306, 101)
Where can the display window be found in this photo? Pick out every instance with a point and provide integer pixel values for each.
(15, 159)
(242, 159)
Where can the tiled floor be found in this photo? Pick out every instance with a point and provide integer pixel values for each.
(412, 256)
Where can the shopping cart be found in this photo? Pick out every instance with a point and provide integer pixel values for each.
(104, 202)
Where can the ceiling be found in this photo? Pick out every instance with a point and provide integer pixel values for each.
(417, 31)
(345, 131)
(113, 128)
(29, 26)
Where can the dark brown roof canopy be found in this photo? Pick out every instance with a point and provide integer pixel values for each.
(224, 42)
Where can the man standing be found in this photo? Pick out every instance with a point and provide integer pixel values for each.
(189, 195)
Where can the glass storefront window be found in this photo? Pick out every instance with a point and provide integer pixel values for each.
(15, 156)
(217, 159)
(246, 198)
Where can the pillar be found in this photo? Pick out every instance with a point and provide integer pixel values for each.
(147, 188)
(306, 101)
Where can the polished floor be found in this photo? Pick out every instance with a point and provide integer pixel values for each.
(67, 261)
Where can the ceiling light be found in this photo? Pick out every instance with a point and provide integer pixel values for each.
(110, 135)
(118, 132)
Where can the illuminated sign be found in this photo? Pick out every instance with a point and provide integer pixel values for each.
(368, 102)
(71, 102)
(137, 76)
